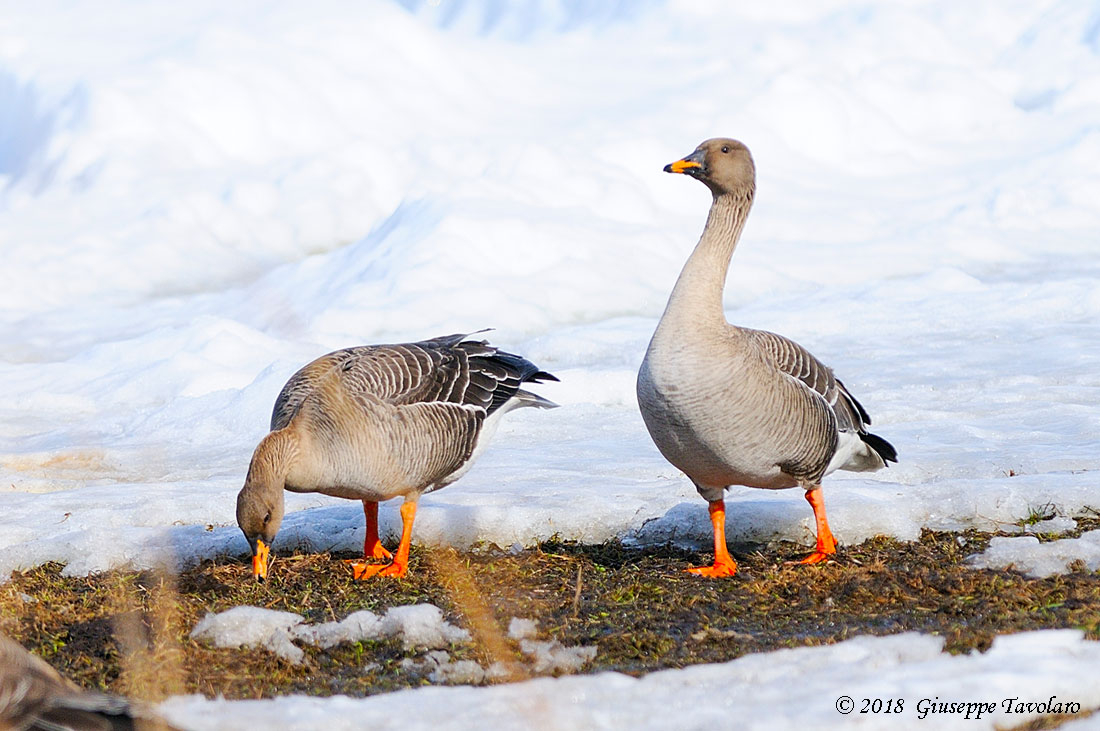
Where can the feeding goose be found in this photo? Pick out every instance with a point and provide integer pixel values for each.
(34, 696)
(730, 405)
(376, 422)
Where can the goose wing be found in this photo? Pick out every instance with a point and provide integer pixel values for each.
(448, 369)
(795, 361)
(441, 391)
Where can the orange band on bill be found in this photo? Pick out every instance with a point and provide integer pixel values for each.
(681, 165)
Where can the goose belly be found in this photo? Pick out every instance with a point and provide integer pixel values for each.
(345, 481)
(711, 431)
(341, 470)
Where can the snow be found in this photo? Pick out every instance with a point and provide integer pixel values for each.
(195, 210)
(243, 626)
(520, 628)
(355, 627)
(251, 627)
(418, 625)
(199, 198)
(551, 656)
(785, 689)
(421, 625)
(1027, 554)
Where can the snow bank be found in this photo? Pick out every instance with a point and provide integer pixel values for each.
(786, 689)
(200, 201)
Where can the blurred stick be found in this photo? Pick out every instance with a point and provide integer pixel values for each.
(470, 601)
(577, 594)
(145, 622)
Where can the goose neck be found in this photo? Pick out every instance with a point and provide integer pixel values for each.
(272, 460)
(697, 296)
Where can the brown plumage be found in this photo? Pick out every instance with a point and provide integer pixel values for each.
(377, 422)
(736, 406)
(34, 697)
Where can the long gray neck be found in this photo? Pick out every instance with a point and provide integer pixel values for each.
(272, 460)
(697, 296)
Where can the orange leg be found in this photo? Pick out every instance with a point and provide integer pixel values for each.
(826, 544)
(400, 564)
(724, 565)
(372, 547)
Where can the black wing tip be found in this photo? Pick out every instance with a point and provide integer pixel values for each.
(884, 448)
(543, 376)
(855, 402)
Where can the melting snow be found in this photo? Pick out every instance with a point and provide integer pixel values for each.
(1027, 554)
(786, 689)
(418, 625)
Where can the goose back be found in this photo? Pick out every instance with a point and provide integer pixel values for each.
(383, 420)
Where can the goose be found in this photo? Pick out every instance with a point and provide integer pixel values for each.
(34, 696)
(376, 422)
(731, 405)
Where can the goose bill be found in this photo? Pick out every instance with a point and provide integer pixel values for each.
(259, 560)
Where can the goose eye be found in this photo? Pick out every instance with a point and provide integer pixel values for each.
(725, 148)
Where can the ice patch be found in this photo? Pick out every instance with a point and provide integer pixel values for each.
(548, 656)
(251, 627)
(522, 629)
(358, 626)
(464, 671)
(1050, 526)
(553, 657)
(1038, 560)
(418, 625)
(421, 625)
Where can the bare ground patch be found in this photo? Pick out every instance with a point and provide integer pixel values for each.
(127, 632)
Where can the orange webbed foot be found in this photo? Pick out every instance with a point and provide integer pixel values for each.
(820, 555)
(379, 551)
(363, 571)
(816, 557)
(359, 565)
(717, 571)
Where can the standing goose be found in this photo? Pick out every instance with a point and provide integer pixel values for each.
(732, 406)
(377, 422)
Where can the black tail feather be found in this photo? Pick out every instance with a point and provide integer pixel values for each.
(884, 448)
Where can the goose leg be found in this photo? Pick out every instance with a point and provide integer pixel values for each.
(826, 544)
(724, 565)
(372, 547)
(400, 564)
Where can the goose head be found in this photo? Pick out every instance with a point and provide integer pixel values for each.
(259, 515)
(723, 165)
